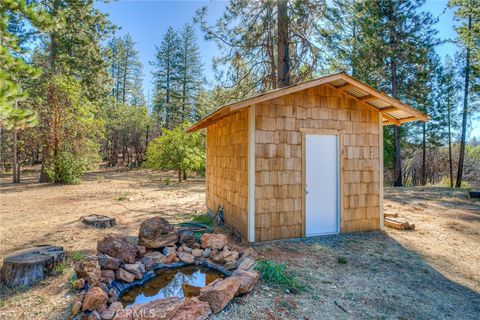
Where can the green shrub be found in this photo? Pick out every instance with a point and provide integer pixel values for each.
(67, 168)
(177, 150)
(275, 274)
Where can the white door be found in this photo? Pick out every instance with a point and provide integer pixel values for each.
(322, 184)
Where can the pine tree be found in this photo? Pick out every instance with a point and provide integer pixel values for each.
(273, 38)
(14, 18)
(73, 60)
(339, 36)
(396, 42)
(468, 13)
(167, 80)
(190, 71)
(444, 116)
(14, 15)
(126, 71)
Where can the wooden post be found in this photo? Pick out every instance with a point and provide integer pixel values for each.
(380, 157)
(251, 174)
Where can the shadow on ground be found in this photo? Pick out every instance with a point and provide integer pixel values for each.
(381, 279)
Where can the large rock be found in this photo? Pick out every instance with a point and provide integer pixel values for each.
(193, 309)
(108, 275)
(89, 269)
(156, 233)
(29, 266)
(94, 299)
(219, 293)
(186, 257)
(111, 311)
(124, 275)
(246, 264)
(150, 259)
(187, 238)
(197, 253)
(248, 280)
(213, 241)
(225, 256)
(170, 253)
(171, 308)
(141, 250)
(94, 316)
(76, 307)
(107, 314)
(137, 269)
(247, 260)
(118, 246)
(107, 262)
(160, 309)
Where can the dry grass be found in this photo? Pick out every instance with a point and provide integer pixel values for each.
(432, 272)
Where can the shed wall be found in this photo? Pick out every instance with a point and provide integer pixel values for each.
(227, 148)
(278, 165)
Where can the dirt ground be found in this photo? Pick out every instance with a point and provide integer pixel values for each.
(430, 273)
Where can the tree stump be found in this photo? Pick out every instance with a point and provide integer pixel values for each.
(29, 266)
(99, 221)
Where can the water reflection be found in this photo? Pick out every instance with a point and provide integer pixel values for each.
(179, 282)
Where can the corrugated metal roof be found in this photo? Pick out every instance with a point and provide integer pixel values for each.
(357, 93)
(394, 111)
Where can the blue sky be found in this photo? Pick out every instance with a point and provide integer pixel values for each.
(148, 20)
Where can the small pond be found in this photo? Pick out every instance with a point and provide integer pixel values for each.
(178, 282)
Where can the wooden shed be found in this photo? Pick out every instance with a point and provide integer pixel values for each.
(303, 160)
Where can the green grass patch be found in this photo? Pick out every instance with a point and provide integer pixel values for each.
(204, 219)
(77, 256)
(342, 260)
(60, 268)
(276, 275)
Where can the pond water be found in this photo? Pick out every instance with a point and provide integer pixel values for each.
(178, 282)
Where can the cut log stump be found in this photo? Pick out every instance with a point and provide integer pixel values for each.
(29, 266)
(99, 221)
(390, 215)
(399, 225)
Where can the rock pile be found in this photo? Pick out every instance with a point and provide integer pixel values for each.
(119, 261)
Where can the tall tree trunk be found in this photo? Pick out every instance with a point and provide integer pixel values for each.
(53, 66)
(43, 173)
(424, 155)
(397, 171)
(16, 176)
(117, 85)
(450, 162)
(124, 85)
(461, 157)
(283, 54)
